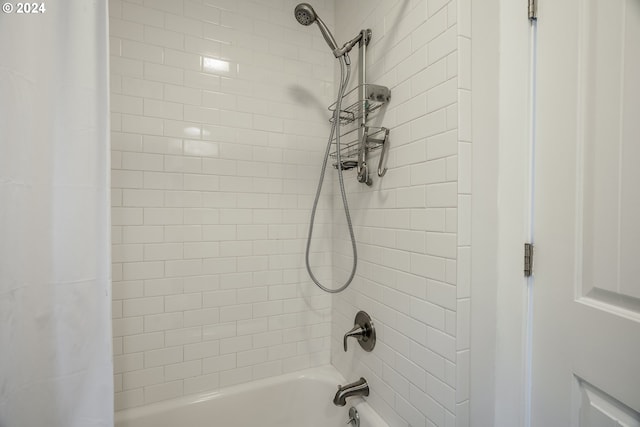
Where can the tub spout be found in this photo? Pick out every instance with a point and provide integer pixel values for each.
(358, 388)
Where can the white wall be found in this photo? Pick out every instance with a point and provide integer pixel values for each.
(414, 225)
(501, 65)
(485, 69)
(218, 124)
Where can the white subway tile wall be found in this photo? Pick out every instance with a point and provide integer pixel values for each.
(219, 123)
(413, 225)
(218, 127)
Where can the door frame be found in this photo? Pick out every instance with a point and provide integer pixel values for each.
(499, 370)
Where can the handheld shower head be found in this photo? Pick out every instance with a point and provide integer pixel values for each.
(305, 15)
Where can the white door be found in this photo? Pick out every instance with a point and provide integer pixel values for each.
(586, 307)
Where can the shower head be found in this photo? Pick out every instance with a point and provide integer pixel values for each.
(305, 15)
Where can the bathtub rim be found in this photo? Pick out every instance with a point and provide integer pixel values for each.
(327, 374)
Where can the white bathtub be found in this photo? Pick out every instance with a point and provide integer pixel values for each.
(300, 399)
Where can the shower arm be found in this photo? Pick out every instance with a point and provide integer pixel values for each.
(346, 48)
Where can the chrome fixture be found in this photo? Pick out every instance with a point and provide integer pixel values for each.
(354, 417)
(361, 101)
(305, 15)
(358, 388)
(363, 330)
(346, 48)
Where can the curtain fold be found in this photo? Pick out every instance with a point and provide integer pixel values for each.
(55, 289)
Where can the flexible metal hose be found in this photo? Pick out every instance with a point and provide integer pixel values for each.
(335, 130)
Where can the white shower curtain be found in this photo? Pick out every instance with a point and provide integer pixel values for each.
(55, 290)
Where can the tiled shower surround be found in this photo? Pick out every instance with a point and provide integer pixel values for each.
(219, 125)
(412, 225)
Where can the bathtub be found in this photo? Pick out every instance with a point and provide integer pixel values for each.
(299, 399)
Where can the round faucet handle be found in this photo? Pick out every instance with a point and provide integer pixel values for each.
(363, 331)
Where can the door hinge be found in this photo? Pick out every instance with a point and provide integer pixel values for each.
(528, 259)
(533, 10)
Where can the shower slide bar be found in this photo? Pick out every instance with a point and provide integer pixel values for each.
(360, 102)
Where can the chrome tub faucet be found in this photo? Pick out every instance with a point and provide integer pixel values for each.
(357, 388)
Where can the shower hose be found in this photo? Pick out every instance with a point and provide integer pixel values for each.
(335, 130)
